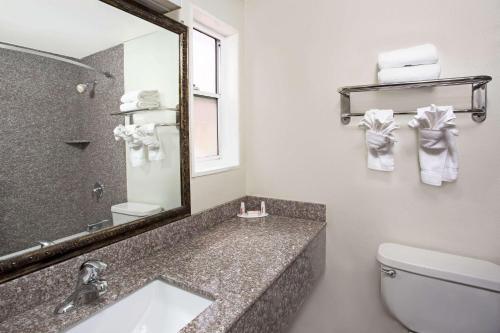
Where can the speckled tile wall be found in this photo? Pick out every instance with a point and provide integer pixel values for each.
(45, 184)
(104, 158)
(39, 105)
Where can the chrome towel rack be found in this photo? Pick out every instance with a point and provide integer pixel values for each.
(131, 113)
(478, 96)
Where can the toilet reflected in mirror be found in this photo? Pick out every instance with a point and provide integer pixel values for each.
(131, 211)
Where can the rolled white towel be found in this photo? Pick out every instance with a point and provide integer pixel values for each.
(140, 95)
(409, 73)
(139, 105)
(418, 55)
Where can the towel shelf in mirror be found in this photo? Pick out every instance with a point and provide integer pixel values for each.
(125, 113)
(478, 97)
(130, 114)
(168, 124)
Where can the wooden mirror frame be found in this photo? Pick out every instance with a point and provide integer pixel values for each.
(41, 258)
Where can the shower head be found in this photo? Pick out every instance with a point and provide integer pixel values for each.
(83, 87)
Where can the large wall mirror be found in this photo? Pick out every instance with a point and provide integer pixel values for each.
(93, 98)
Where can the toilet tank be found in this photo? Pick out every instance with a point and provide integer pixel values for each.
(434, 292)
(131, 211)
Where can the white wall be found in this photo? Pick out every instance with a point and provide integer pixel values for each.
(210, 190)
(151, 62)
(297, 54)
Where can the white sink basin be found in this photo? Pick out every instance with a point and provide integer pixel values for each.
(156, 308)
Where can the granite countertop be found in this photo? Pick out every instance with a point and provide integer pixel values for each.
(232, 263)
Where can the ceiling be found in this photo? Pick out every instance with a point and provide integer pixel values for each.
(75, 28)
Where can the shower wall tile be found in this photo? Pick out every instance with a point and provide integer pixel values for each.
(45, 184)
(104, 159)
(38, 185)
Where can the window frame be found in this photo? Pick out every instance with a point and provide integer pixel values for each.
(229, 95)
(205, 94)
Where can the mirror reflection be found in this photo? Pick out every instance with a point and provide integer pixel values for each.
(90, 111)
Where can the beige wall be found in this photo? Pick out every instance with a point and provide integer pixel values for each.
(297, 54)
(211, 190)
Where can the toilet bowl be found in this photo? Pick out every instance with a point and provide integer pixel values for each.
(434, 292)
(130, 211)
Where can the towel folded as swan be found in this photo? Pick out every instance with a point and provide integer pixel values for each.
(438, 154)
(379, 125)
(139, 137)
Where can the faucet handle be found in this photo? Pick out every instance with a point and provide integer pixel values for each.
(91, 270)
(101, 286)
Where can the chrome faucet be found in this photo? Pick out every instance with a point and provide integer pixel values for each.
(89, 287)
(98, 191)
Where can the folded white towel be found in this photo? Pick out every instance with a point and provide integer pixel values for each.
(410, 73)
(379, 125)
(139, 105)
(438, 154)
(141, 95)
(418, 55)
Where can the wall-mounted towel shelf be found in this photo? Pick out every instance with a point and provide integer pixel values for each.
(168, 124)
(127, 113)
(130, 114)
(478, 97)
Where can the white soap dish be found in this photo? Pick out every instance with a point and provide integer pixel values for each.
(253, 214)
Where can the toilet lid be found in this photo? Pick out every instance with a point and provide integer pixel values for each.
(464, 270)
(136, 209)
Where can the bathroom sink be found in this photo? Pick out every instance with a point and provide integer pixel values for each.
(156, 308)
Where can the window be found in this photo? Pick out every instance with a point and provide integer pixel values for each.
(206, 57)
(215, 102)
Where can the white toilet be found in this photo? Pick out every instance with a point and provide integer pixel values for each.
(434, 292)
(130, 211)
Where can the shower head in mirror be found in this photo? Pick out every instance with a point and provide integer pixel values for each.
(83, 87)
